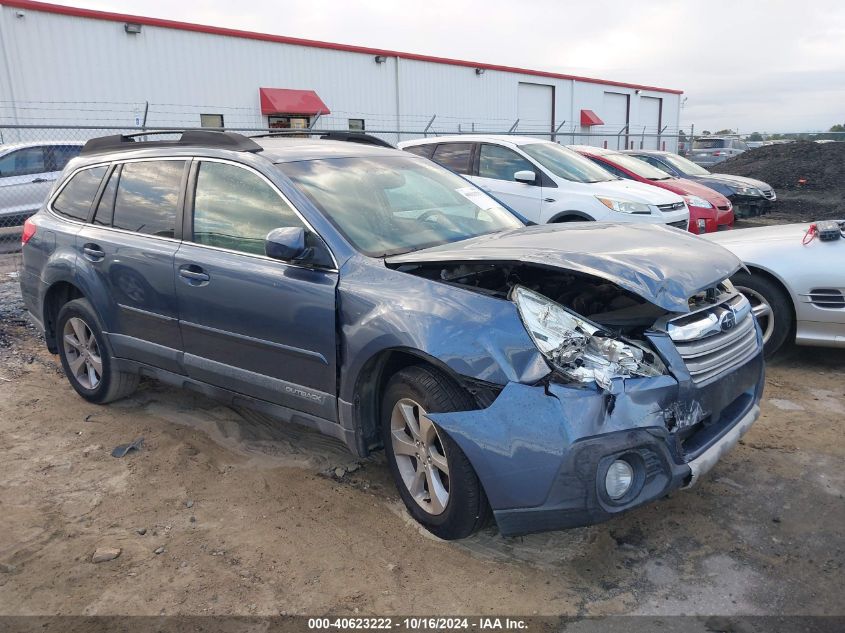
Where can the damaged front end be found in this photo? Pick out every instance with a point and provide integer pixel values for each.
(633, 387)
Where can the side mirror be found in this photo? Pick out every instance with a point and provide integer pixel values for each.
(286, 244)
(525, 176)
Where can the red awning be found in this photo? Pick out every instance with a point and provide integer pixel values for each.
(284, 101)
(588, 118)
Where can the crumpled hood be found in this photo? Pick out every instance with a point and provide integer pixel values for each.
(737, 181)
(663, 265)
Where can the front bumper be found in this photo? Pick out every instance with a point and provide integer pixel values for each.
(541, 452)
(750, 206)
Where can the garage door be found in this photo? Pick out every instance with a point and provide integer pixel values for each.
(650, 118)
(615, 116)
(535, 107)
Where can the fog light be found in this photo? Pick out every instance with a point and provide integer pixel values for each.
(619, 479)
(702, 225)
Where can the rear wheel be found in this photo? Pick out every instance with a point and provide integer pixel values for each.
(771, 307)
(435, 479)
(86, 357)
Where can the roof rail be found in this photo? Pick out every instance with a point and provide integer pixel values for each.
(351, 137)
(204, 138)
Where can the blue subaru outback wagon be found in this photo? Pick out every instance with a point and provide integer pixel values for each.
(552, 376)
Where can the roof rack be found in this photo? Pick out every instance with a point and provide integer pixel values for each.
(351, 137)
(204, 138)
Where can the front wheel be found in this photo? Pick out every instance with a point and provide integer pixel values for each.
(771, 307)
(435, 479)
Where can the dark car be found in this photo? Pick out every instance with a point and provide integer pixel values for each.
(748, 196)
(556, 375)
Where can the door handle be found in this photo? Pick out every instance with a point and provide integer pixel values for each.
(194, 275)
(548, 200)
(93, 252)
(40, 180)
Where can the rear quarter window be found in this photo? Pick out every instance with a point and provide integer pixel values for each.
(454, 156)
(74, 200)
(421, 150)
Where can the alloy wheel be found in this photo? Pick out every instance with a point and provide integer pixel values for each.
(762, 310)
(82, 353)
(419, 455)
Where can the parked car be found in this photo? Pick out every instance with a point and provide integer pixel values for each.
(27, 172)
(748, 196)
(709, 211)
(547, 183)
(556, 375)
(711, 150)
(796, 290)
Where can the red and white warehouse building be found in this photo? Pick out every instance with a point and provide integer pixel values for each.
(69, 66)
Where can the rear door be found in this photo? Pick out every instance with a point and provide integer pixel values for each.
(130, 245)
(496, 168)
(251, 324)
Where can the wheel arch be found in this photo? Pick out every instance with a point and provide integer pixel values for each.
(754, 269)
(58, 294)
(372, 379)
(570, 216)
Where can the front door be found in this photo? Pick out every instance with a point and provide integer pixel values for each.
(252, 324)
(496, 168)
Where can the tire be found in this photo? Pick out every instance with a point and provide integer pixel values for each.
(464, 509)
(771, 306)
(81, 360)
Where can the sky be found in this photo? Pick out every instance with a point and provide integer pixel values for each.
(746, 65)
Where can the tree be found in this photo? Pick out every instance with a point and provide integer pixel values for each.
(725, 131)
(837, 128)
(706, 133)
(755, 136)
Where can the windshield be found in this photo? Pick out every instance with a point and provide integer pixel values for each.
(685, 166)
(637, 166)
(396, 204)
(565, 163)
(709, 143)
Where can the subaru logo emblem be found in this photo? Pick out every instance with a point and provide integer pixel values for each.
(727, 321)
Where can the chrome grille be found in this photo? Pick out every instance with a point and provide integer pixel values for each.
(717, 339)
(675, 206)
(827, 298)
(769, 193)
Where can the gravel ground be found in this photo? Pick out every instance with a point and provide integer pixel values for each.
(225, 512)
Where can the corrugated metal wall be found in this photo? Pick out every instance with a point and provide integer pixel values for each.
(71, 70)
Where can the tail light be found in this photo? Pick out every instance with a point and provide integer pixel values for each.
(28, 231)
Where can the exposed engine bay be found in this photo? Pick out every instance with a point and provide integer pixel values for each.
(596, 299)
(588, 328)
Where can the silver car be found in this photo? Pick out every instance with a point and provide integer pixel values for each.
(712, 150)
(795, 289)
(27, 173)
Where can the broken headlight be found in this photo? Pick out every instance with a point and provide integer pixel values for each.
(579, 349)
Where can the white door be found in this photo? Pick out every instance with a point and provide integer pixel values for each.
(650, 119)
(496, 167)
(24, 181)
(615, 116)
(535, 109)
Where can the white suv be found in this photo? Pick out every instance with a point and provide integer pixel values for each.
(545, 182)
(27, 173)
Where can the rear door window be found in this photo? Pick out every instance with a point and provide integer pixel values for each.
(148, 196)
(76, 197)
(59, 155)
(105, 208)
(454, 156)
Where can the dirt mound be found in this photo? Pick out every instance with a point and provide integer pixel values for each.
(784, 166)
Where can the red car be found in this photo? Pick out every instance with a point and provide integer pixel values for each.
(709, 211)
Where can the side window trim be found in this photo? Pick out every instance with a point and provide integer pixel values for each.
(95, 203)
(188, 207)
